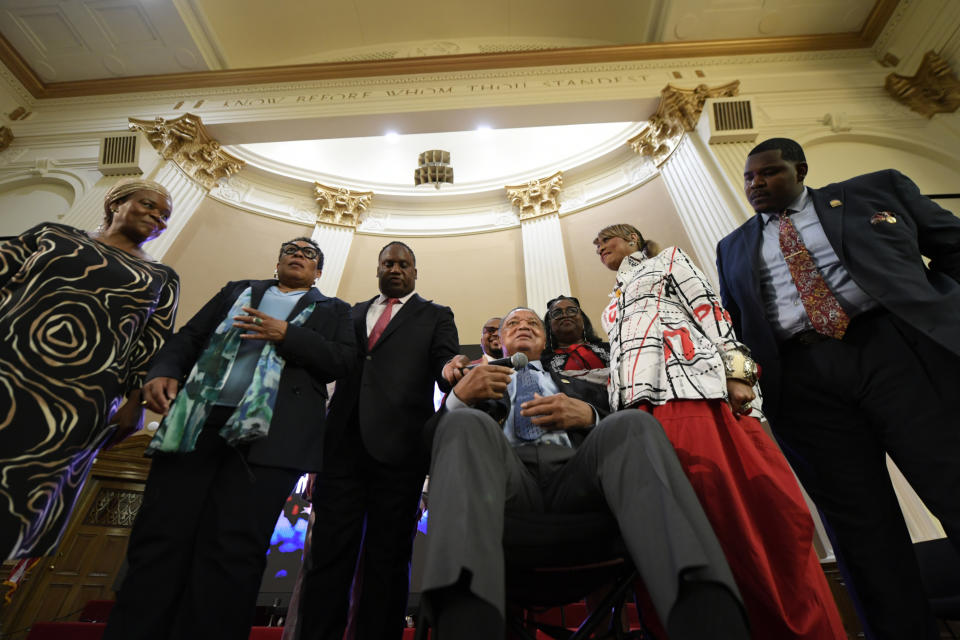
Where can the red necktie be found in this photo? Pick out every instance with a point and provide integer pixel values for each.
(381, 323)
(825, 313)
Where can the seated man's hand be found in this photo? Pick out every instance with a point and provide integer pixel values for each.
(485, 382)
(453, 370)
(558, 412)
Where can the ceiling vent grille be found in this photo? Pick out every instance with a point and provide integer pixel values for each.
(731, 120)
(120, 155)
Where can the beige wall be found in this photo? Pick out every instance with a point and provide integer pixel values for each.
(649, 208)
(221, 243)
(478, 275)
(831, 160)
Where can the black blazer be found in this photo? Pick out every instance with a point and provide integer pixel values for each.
(590, 392)
(884, 259)
(389, 395)
(319, 351)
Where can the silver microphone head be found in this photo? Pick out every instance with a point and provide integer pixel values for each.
(519, 360)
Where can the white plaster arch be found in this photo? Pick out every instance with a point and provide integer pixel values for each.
(898, 140)
(36, 195)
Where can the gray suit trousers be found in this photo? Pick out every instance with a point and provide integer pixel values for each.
(625, 464)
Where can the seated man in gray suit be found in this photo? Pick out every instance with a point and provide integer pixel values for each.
(558, 450)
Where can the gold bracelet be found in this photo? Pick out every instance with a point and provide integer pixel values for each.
(739, 366)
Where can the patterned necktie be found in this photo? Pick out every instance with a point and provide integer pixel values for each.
(527, 385)
(825, 313)
(381, 323)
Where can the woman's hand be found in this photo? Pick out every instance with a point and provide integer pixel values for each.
(260, 326)
(158, 393)
(739, 394)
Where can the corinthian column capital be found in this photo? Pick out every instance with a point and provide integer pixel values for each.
(340, 206)
(537, 197)
(186, 142)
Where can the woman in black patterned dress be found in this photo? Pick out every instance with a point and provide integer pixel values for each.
(81, 316)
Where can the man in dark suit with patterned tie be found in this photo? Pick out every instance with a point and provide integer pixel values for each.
(535, 441)
(374, 464)
(858, 341)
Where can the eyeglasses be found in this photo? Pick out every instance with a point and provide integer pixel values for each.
(559, 312)
(291, 249)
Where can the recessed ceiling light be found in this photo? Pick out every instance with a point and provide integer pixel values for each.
(391, 136)
(484, 128)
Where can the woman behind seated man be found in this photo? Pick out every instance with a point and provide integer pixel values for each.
(573, 347)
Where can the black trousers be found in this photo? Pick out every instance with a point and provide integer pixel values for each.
(358, 500)
(198, 546)
(884, 389)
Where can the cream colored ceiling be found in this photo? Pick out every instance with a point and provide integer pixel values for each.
(68, 40)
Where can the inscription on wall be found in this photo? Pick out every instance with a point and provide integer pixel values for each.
(462, 89)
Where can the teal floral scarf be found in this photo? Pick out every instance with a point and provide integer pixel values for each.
(251, 420)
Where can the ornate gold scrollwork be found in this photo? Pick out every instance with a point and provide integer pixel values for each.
(186, 142)
(6, 137)
(934, 88)
(677, 114)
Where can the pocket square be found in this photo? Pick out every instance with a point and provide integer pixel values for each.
(883, 216)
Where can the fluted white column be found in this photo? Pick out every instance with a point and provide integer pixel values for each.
(87, 212)
(703, 199)
(544, 261)
(335, 242)
(731, 158)
(186, 194)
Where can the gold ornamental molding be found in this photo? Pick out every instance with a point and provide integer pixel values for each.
(538, 197)
(677, 114)
(185, 141)
(340, 206)
(6, 137)
(934, 88)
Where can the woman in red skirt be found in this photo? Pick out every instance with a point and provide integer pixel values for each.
(673, 353)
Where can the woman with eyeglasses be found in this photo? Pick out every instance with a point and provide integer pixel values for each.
(242, 388)
(674, 354)
(573, 347)
(81, 316)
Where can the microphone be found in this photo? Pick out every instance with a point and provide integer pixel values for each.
(517, 361)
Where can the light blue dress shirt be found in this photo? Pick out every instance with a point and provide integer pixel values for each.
(547, 388)
(277, 304)
(781, 299)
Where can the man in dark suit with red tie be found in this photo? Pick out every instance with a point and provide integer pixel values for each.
(858, 341)
(374, 464)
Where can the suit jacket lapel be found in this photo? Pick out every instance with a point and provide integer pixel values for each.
(407, 310)
(312, 295)
(360, 323)
(831, 217)
(752, 239)
(257, 289)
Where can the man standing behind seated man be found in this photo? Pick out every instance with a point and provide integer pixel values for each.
(490, 342)
(558, 450)
(859, 341)
(374, 465)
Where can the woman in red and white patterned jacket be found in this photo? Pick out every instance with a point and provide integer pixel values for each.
(673, 353)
